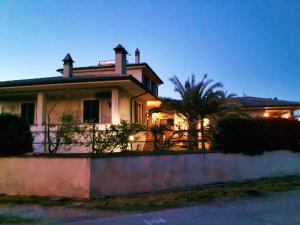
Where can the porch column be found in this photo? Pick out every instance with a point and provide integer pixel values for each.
(291, 114)
(115, 118)
(41, 109)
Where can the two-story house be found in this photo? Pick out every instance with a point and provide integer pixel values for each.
(104, 94)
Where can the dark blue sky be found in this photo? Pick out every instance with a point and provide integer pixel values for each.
(253, 47)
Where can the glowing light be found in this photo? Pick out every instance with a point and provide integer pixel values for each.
(285, 116)
(154, 104)
(131, 138)
(266, 114)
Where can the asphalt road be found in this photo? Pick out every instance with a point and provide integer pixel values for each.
(276, 209)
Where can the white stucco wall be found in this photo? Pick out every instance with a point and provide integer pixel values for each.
(135, 72)
(124, 105)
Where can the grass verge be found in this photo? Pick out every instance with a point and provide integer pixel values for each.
(153, 201)
(12, 219)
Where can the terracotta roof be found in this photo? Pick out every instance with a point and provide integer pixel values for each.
(249, 102)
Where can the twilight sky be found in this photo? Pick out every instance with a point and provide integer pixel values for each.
(251, 46)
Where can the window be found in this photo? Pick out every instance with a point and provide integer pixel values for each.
(91, 111)
(27, 113)
(154, 88)
(170, 122)
(146, 82)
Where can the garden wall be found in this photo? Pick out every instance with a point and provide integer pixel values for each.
(123, 175)
(94, 177)
(42, 176)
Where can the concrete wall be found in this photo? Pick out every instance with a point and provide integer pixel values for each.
(62, 177)
(95, 177)
(125, 175)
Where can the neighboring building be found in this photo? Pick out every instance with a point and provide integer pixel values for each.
(253, 106)
(103, 94)
(268, 107)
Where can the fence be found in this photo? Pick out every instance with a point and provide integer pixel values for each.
(97, 139)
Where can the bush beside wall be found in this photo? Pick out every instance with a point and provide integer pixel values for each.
(254, 136)
(15, 136)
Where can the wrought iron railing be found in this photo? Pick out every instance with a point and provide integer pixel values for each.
(93, 139)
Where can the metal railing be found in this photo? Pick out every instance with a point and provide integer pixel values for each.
(93, 139)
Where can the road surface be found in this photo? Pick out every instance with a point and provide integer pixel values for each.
(276, 209)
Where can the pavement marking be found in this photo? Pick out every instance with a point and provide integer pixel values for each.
(156, 221)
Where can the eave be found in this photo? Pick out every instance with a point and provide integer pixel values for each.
(127, 83)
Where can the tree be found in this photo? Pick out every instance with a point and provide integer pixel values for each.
(63, 134)
(198, 101)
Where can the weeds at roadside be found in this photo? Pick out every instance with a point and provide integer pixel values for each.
(161, 200)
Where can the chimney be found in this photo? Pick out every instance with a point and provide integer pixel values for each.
(137, 56)
(68, 66)
(120, 60)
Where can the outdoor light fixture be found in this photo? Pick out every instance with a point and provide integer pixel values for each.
(131, 138)
(266, 114)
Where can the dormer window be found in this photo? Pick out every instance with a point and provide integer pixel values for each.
(154, 88)
(146, 82)
(150, 85)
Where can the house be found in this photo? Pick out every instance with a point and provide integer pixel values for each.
(104, 94)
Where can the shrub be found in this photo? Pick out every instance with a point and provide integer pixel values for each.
(254, 136)
(15, 136)
(114, 137)
(164, 137)
(63, 135)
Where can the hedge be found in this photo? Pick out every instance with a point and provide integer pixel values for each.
(254, 136)
(15, 136)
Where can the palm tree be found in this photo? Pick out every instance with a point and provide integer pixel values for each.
(198, 101)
